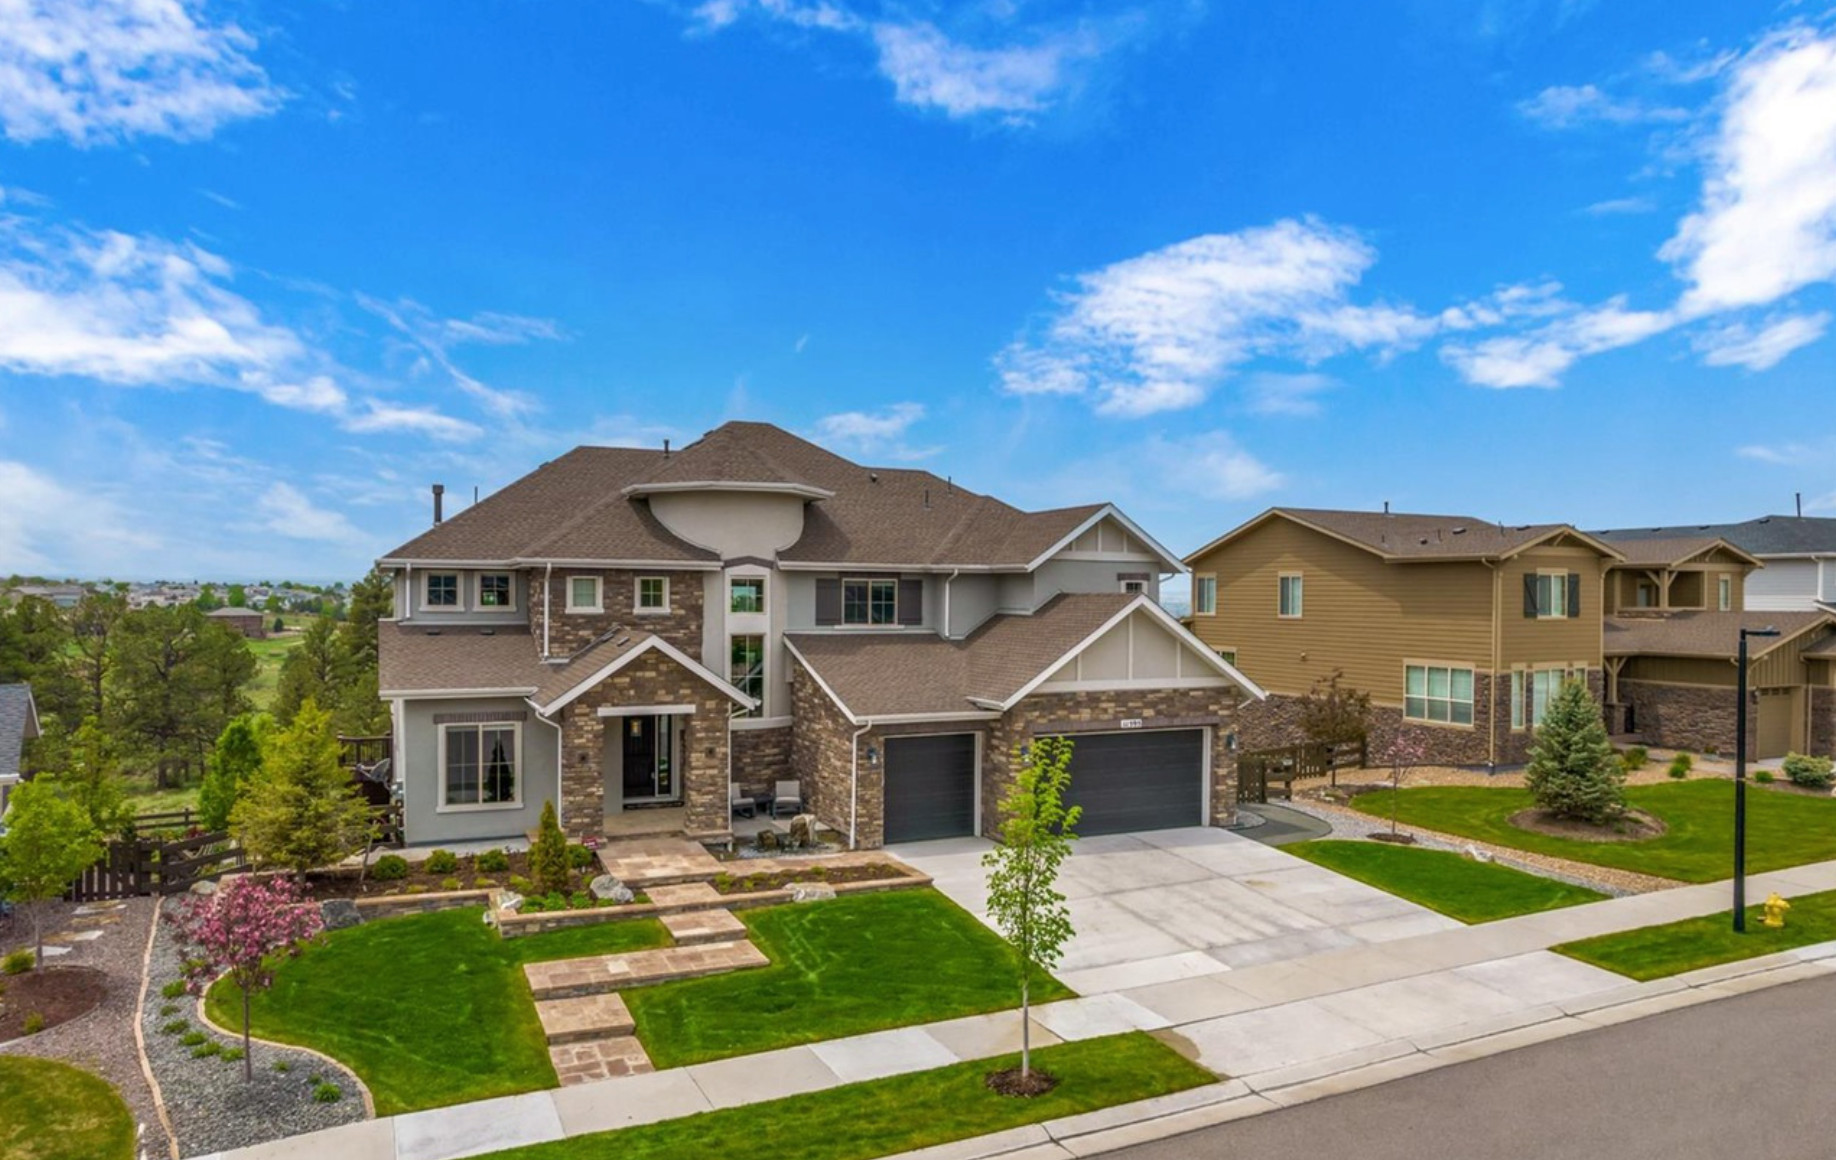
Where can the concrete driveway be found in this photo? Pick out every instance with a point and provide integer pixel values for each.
(1176, 904)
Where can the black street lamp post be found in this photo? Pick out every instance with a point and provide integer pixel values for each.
(1740, 780)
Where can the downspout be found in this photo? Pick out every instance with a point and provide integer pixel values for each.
(548, 599)
(854, 781)
(954, 572)
(408, 593)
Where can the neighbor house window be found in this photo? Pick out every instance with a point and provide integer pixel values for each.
(746, 594)
(480, 765)
(653, 594)
(1228, 656)
(494, 591)
(1134, 587)
(1551, 595)
(1205, 595)
(1724, 593)
(1438, 693)
(442, 590)
(870, 601)
(1289, 602)
(1544, 685)
(583, 594)
(1517, 699)
(746, 670)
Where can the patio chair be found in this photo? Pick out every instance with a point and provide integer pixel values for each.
(742, 804)
(789, 797)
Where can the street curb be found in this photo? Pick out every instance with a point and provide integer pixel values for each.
(1163, 1117)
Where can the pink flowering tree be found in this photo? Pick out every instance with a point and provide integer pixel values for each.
(240, 932)
(1405, 751)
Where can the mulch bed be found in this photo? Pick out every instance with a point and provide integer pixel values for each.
(1012, 1083)
(343, 883)
(59, 994)
(1399, 838)
(1634, 826)
(779, 879)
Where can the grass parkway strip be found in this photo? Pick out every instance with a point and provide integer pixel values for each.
(886, 1116)
(1444, 881)
(1783, 829)
(1654, 952)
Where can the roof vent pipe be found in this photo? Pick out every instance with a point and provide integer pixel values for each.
(1386, 507)
(439, 494)
(927, 499)
(1800, 498)
(666, 449)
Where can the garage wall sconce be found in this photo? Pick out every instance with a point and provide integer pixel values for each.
(873, 756)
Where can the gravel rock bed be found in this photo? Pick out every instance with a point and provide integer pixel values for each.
(1352, 825)
(103, 1040)
(212, 1108)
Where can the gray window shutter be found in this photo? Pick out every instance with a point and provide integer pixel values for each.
(1530, 595)
(1574, 595)
(828, 602)
(911, 602)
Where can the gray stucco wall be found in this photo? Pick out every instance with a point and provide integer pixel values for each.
(419, 751)
(1055, 576)
(409, 594)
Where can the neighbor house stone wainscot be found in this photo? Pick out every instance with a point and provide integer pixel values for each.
(651, 679)
(1693, 717)
(1823, 721)
(762, 757)
(569, 632)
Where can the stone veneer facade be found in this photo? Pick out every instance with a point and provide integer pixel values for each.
(1823, 721)
(822, 739)
(569, 632)
(651, 679)
(762, 757)
(1693, 717)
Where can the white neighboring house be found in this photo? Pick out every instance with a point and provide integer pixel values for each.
(1799, 554)
(18, 725)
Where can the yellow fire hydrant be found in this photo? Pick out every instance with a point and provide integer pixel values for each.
(1775, 908)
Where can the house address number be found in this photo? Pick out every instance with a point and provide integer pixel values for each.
(1130, 723)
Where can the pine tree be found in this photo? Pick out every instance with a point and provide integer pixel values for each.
(548, 861)
(303, 811)
(234, 763)
(1573, 771)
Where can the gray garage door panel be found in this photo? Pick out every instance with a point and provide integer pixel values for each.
(930, 787)
(1148, 780)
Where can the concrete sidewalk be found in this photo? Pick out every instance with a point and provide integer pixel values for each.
(1303, 1026)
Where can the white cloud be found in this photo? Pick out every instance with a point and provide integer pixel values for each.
(1567, 106)
(1215, 466)
(434, 337)
(863, 426)
(286, 511)
(930, 70)
(1783, 455)
(1158, 331)
(96, 71)
(377, 417)
(1767, 223)
(1268, 393)
(1615, 206)
(315, 393)
(1738, 344)
(1539, 358)
(49, 527)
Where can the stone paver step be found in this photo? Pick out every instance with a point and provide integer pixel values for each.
(587, 976)
(684, 896)
(589, 1061)
(642, 863)
(579, 1018)
(693, 927)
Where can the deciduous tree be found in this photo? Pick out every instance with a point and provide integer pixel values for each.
(49, 842)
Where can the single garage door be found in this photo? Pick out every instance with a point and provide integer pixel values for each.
(1149, 780)
(1779, 722)
(930, 787)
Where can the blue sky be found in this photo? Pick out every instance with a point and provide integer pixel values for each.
(267, 270)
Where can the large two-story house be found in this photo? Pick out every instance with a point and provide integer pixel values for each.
(630, 633)
(1798, 553)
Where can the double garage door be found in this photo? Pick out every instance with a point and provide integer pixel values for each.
(1141, 780)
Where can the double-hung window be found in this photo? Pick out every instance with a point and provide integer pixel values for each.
(495, 591)
(1724, 593)
(1438, 693)
(746, 669)
(746, 594)
(1517, 698)
(1552, 599)
(1288, 602)
(652, 594)
(870, 601)
(584, 594)
(479, 765)
(1544, 685)
(442, 590)
(1205, 595)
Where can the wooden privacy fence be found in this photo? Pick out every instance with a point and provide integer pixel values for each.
(134, 866)
(1256, 769)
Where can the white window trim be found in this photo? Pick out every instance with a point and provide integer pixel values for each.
(1520, 688)
(764, 673)
(1555, 613)
(1451, 666)
(458, 590)
(1724, 592)
(516, 727)
(478, 590)
(1300, 591)
(1133, 587)
(599, 593)
(637, 595)
(758, 578)
(1197, 580)
(870, 581)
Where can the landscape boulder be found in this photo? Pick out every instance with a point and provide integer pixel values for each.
(803, 831)
(606, 888)
(811, 892)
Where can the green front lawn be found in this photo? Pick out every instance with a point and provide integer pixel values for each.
(884, 1116)
(52, 1111)
(428, 1010)
(861, 963)
(1652, 952)
(1440, 880)
(1782, 829)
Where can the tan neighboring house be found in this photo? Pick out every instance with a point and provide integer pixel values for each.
(1459, 628)
(1675, 611)
(250, 622)
(633, 633)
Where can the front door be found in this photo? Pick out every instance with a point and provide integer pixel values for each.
(648, 759)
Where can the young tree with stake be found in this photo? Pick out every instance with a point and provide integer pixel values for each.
(1023, 895)
(1405, 752)
(49, 842)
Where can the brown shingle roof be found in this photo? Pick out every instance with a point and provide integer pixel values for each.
(733, 454)
(1702, 634)
(563, 679)
(1667, 552)
(416, 659)
(892, 674)
(1414, 536)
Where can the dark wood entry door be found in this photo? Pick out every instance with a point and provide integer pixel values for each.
(640, 758)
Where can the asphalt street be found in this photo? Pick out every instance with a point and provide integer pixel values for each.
(1746, 1078)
